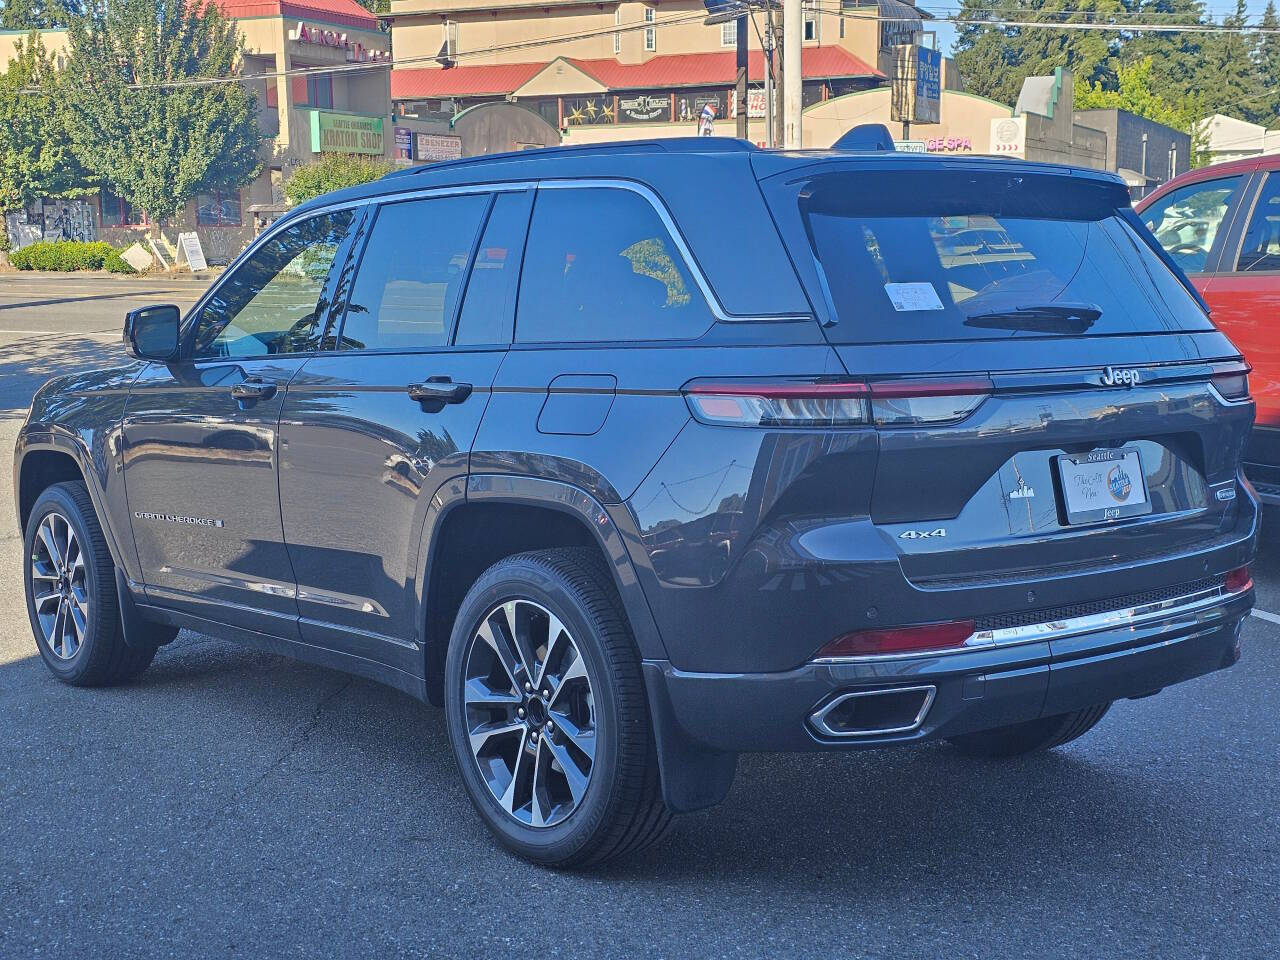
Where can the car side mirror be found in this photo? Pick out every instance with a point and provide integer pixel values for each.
(151, 333)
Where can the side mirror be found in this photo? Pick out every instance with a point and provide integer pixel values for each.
(151, 333)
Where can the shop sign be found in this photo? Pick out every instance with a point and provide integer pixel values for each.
(928, 85)
(344, 133)
(755, 102)
(356, 52)
(404, 143)
(1009, 136)
(644, 108)
(948, 145)
(434, 147)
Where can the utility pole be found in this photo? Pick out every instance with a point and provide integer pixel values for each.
(792, 90)
(779, 79)
(770, 134)
(742, 76)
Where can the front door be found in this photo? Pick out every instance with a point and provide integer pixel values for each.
(200, 434)
(372, 430)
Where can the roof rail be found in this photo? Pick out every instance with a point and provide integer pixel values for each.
(672, 145)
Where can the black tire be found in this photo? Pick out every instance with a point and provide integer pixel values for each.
(101, 657)
(621, 809)
(1031, 736)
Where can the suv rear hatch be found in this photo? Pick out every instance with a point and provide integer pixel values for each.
(1049, 395)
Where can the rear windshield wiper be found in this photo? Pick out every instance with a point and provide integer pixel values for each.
(1058, 317)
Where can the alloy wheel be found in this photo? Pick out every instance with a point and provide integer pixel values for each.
(59, 586)
(529, 712)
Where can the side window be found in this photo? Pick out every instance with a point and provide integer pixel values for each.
(411, 274)
(274, 301)
(1261, 248)
(600, 265)
(1187, 221)
(486, 308)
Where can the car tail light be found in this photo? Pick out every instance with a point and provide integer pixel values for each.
(929, 636)
(835, 403)
(1238, 580)
(1232, 385)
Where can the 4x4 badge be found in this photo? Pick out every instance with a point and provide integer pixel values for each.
(922, 534)
(1120, 377)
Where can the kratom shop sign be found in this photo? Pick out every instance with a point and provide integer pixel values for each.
(344, 133)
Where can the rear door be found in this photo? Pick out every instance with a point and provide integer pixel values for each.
(1245, 299)
(373, 429)
(201, 438)
(1040, 381)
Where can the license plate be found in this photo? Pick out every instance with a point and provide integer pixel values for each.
(1103, 485)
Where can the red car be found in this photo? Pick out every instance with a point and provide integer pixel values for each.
(1221, 224)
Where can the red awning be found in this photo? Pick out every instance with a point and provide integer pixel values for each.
(672, 70)
(345, 12)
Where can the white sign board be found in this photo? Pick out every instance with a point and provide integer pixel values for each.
(138, 258)
(189, 249)
(909, 146)
(1009, 136)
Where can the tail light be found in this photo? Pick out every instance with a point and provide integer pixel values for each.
(1238, 580)
(1232, 384)
(835, 403)
(926, 637)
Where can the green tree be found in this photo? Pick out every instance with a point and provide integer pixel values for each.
(136, 121)
(1233, 83)
(376, 6)
(1268, 56)
(333, 171)
(995, 59)
(34, 159)
(36, 14)
(1135, 93)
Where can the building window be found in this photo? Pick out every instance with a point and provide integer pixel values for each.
(810, 20)
(617, 36)
(320, 90)
(650, 33)
(116, 212)
(729, 34)
(221, 208)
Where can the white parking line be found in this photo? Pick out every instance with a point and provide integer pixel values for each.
(1263, 615)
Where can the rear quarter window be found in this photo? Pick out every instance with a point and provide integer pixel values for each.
(600, 265)
(938, 256)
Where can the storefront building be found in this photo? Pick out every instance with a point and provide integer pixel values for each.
(618, 71)
(300, 117)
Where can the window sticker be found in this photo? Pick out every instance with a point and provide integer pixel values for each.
(913, 296)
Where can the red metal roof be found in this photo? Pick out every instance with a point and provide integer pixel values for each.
(670, 70)
(345, 12)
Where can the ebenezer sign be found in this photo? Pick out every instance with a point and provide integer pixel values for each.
(345, 133)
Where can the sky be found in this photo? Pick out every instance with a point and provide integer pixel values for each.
(947, 33)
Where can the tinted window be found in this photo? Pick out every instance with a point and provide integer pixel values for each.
(486, 309)
(273, 302)
(600, 265)
(1261, 248)
(1186, 221)
(411, 274)
(931, 258)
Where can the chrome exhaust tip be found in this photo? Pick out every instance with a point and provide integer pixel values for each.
(873, 713)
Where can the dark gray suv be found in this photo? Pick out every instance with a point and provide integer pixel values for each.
(635, 458)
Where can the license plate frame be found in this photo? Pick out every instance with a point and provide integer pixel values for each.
(1111, 478)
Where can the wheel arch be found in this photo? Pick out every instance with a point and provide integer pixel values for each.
(508, 515)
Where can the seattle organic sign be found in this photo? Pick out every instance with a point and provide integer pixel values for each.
(341, 133)
(338, 39)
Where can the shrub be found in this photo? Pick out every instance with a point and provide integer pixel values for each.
(333, 171)
(67, 255)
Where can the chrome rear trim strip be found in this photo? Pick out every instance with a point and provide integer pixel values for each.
(1176, 607)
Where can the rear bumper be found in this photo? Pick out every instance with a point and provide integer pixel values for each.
(1039, 673)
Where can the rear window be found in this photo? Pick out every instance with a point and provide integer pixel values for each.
(939, 256)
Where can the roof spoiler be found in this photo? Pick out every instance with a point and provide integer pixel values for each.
(866, 137)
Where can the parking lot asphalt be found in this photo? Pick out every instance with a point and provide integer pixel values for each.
(233, 803)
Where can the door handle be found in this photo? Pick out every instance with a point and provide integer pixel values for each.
(437, 391)
(252, 390)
